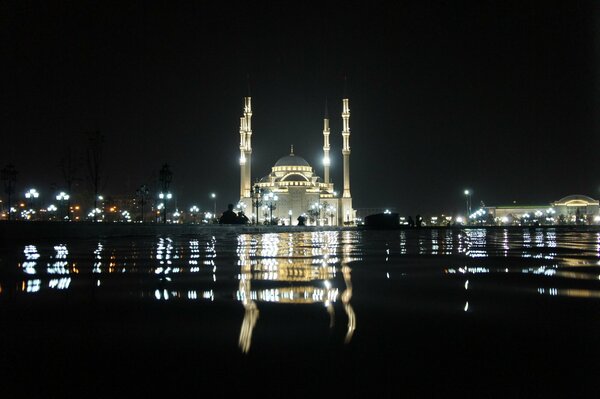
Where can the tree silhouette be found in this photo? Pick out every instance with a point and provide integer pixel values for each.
(94, 165)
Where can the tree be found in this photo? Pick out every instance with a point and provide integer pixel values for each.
(94, 165)
(9, 177)
(142, 194)
(70, 166)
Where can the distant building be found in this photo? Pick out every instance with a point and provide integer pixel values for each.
(570, 209)
(293, 188)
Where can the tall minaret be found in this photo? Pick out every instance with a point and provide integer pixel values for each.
(346, 147)
(246, 148)
(326, 147)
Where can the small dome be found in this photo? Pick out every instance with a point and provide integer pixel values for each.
(291, 160)
(294, 177)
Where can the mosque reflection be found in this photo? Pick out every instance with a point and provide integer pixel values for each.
(287, 268)
(304, 270)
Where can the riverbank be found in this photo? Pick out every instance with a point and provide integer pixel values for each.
(19, 230)
(40, 230)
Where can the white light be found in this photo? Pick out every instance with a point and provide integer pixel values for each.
(466, 192)
(459, 219)
(326, 161)
(161, 196)
(597, 218)
(504, 219)
(169, 196)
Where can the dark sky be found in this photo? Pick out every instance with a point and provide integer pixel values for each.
(499, 97)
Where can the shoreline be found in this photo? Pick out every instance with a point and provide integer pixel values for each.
(19, 230)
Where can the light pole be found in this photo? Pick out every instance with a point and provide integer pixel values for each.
(290, 213)
(214, 197)
(256, 193)
(61, 198)
(165, 197)
(32, 195)
(468, 199)
(51, 209)
(194, 212)
(9, 176)
(270, 199)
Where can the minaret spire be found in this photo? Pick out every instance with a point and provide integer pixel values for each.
(326, 146)
(346, 146)
(246, 147)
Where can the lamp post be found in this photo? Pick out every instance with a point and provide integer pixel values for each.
(214, 197)
(468, 199)
(165, 197)
(32, 195)
(270, 200)
(9, 176)
(194, 212)
(51, 209)
(165, 176)
(256, 193)
(61, 198)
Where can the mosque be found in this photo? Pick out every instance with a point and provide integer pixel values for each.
(293, 188)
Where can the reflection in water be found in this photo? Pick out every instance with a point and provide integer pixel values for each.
(305, 262)
(309, 268)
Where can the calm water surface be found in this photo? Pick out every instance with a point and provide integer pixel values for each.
(429, 313)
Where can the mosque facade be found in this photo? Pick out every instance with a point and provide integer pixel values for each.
(293, 187)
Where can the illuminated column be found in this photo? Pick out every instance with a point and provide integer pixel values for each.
(248, 148)
(242, 155)
(346, 147)
(326, 147)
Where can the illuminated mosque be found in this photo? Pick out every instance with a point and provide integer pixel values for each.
(293, 188)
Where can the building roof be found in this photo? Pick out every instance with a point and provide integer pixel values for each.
(291, 160)
(576, 200)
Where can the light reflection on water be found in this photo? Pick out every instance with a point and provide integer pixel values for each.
(314, 269)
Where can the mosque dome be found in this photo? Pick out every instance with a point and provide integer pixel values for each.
(291, 160)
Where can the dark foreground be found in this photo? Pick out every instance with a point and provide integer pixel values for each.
(431, 313)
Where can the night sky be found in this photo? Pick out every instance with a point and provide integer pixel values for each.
(499, 97)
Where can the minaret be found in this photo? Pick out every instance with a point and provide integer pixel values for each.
(346, 147)
(246, 148)
(326, 147)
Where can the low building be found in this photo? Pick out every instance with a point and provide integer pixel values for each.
(572, 209)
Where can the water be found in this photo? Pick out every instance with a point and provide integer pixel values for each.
(481, 313)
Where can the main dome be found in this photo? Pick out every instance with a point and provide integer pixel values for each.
(291, 160)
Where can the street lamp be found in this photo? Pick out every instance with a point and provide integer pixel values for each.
(165, 197)
(9, 176)
(214, 197)
(61, 198)
(256, 193)
(468, 199)
(32, 195)
(194, 210)
(270, 200)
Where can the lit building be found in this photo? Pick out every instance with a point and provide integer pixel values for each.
(293, 188)
(570, 209)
